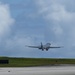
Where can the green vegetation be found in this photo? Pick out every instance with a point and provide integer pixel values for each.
(26, 62)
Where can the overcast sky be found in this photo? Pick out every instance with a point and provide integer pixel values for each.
(30, 22)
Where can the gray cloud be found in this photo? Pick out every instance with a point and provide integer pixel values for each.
(6, 21)
(54, 22)
(61, 21)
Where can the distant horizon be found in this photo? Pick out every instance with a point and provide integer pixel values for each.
(36, 57)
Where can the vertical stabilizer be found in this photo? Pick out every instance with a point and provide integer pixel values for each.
(42, 46)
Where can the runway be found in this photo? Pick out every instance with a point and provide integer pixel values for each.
(55, 70)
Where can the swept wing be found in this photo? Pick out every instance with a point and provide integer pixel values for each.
(34, 46)
(54, 47)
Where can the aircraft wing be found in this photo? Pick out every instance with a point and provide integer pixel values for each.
(54, 47)
(34, 46)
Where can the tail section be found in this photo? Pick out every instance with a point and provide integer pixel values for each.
(42, 46)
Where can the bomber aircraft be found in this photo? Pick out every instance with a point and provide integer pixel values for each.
(42, 47)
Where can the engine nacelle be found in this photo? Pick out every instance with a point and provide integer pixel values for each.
(39, 48)
(46, 49)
